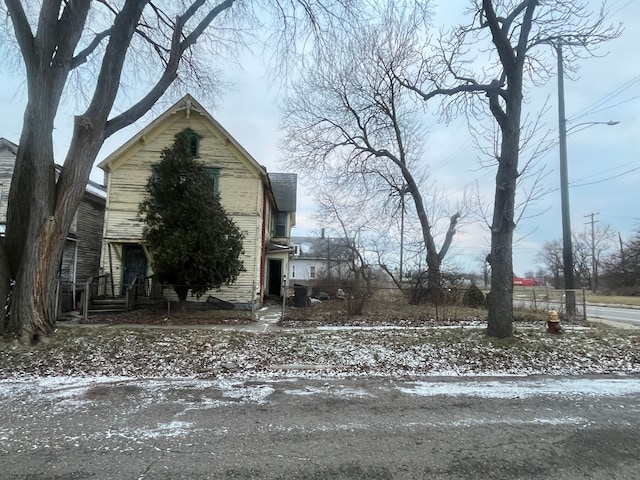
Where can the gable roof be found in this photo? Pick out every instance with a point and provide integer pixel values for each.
(285, 190)
(12, 147)
(187, 104)
(93, 188)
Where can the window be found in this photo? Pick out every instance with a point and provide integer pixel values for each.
(214, 174)
(293, 271)
(312, 271)
(280, 227)
(194, 141)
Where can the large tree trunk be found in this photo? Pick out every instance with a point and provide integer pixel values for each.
(31, 256)
(38, 221)
(500, 299)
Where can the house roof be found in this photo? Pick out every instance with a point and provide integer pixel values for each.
(323, 248)
(92, 187)
(188, 104)
(9, 145)
(285, 190)
(95, 189)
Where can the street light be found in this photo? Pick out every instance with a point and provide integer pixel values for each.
(567, 247)
(610, 123)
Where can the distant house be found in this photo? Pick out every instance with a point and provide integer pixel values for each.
(81, 254)
(318, 259)
(262, 205)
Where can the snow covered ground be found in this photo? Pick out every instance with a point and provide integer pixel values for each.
(407, 353)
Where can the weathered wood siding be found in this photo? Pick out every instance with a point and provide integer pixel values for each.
(7, 162)
(240, 188)
(89, 225)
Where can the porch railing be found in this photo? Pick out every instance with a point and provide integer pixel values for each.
(94, 287)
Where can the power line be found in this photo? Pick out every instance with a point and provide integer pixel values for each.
(604, 179)
(598, 105)
(609, 170)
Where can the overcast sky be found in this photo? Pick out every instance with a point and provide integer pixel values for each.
(604, 161)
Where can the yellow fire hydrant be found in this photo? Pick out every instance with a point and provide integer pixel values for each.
(553, 322)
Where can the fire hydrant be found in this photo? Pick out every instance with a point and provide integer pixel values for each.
(553, 322)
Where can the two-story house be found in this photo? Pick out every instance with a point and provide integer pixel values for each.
(262, 205)
(81, 254)
(318, 260)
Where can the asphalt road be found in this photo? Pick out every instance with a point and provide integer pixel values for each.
(440, 428)
(625, 315)
(628, 316)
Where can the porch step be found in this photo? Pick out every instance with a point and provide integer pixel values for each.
(108, 305)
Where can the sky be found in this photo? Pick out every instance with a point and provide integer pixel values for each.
(603, 161)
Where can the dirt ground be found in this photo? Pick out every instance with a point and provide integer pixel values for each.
(388, 311)
(154, 317)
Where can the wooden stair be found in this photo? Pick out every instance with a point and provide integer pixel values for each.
(108, 305)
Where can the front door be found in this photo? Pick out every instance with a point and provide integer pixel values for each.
(134, 264)
(275, 277)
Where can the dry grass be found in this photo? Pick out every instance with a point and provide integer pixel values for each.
(161, 317)
(613, 299)
(391, 309)
(384, 309)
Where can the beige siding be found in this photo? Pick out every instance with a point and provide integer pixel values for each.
(240, 188)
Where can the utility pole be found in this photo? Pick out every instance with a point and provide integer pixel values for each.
(567, 247)
(594, 267)
(403, 191)
(621, 248)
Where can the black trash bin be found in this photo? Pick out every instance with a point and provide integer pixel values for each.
(300, 296)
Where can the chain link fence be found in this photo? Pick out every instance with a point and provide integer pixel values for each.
(443, 303)
(340, 301)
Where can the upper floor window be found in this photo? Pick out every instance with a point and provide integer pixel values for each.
(280, 225)
(194, 141)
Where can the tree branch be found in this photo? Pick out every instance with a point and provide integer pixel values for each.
(23, 32)
(500, 37)
(177, 49)
(453, 221)
(82, 56)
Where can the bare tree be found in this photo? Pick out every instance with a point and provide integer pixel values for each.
(351, 116)
(345, 216)
(510, 43)
(581, 263)
(63, 43)
(621, 272)
(597, 242)
(551, 257)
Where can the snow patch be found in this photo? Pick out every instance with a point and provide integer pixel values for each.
(333, 391)
(529, 388)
